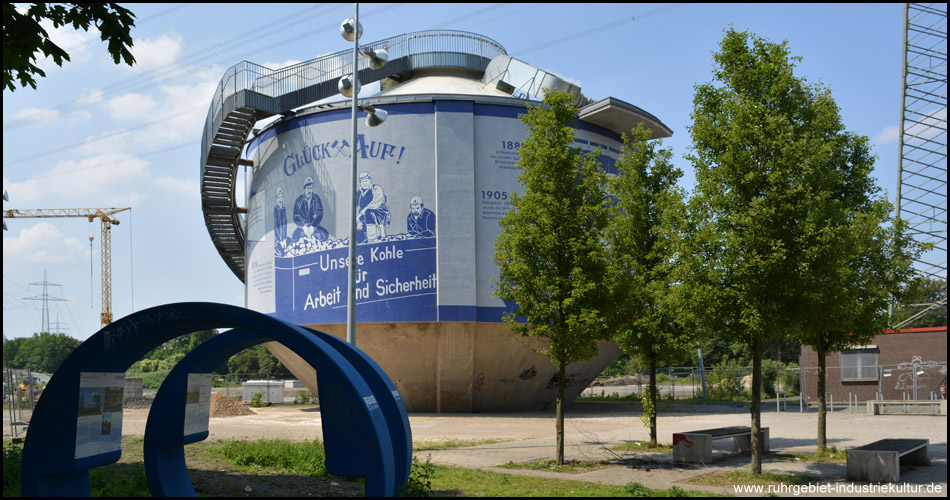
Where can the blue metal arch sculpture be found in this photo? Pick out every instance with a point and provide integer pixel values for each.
(164, 432)
(361, 439)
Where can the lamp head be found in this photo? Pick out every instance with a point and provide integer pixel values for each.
(376, 116)
(345, 86)
(377, 58)
(348, 32)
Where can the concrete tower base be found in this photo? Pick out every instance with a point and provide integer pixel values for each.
(441, 367)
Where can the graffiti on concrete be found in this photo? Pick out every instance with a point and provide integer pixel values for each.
(479, 380)
(915, 370)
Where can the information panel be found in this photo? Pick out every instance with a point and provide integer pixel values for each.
(99, 426)
(197, 403)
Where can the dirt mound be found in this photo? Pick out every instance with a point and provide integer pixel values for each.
(223, 406)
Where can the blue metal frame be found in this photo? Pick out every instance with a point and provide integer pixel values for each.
(164, 431)
(356, 436)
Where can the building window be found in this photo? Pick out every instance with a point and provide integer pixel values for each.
(859, 364)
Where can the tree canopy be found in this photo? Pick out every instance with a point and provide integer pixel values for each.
(550, 252)
(43, 352)
(24, 38)
(761, 139)
(645, 221)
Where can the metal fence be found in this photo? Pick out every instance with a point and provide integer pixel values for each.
(232, 385)
(914, 381)
(687, 383)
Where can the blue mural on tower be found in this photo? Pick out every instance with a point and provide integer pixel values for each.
(304, 190)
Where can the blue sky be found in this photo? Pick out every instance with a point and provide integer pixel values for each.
(96, 135)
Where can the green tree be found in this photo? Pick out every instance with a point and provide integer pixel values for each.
(550, 252)
(859, 259)
(254, 360)
(43, 352)
(24, 38)
(928, 299)
(167, 355)
(756, 129)
(644, 223)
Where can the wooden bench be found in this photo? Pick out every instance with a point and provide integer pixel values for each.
(937, 407)
(696, 446)
(880, 461)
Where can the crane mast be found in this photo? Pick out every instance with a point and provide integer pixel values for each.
(107, 221)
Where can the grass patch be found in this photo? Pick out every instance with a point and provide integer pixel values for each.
(831, 455)
(644, 446)
(459, 481)
(569, 466)
(736, 477)
(119, 480)
(286, 457)
(448, 444)
(128, 478)
(114, 480)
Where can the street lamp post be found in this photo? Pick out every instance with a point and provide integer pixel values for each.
(350, 86)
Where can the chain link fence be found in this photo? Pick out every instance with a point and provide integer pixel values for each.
(274, 388)
(686, 382)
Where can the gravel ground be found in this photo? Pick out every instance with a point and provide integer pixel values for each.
(593, 427)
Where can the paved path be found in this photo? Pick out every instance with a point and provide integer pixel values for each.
(591, 428)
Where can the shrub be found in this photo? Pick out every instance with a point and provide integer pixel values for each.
(12, 456)
(420, 479)
(256, 400)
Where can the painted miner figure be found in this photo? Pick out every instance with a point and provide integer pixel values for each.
(280, 225)
(421, 221)
(308, 212)
(373, 216)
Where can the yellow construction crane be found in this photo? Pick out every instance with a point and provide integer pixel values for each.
(104, 215)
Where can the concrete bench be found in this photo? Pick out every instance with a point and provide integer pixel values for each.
(880, 461)
(937, 407)
(696, 446)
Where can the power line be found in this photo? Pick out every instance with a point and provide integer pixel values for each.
(67, 147)
(166, 118)
(128, 84)
(598, 29)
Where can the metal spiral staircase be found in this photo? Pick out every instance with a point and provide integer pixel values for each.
(249, 92)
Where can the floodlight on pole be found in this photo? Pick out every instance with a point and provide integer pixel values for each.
(377, 58)
(345, 86)
(351, 30)
(376, 116)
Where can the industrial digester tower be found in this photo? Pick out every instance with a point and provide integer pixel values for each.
(434, 181)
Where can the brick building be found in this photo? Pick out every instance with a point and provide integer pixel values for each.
(893, 364)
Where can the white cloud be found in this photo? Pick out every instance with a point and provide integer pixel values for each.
(928, 127)
(156, 52)
(73, 41)
(107, 180)
(132, 107)
(89, 98)
(36, 114)
(279, 65)
(182, 187)
(42, 243)
(889, 134)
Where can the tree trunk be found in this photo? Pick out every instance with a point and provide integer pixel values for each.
(561, 372)
(653, 401)
(756, 406)
(822, 418)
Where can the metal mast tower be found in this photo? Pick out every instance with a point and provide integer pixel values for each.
(104, 215)
(922, 172)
